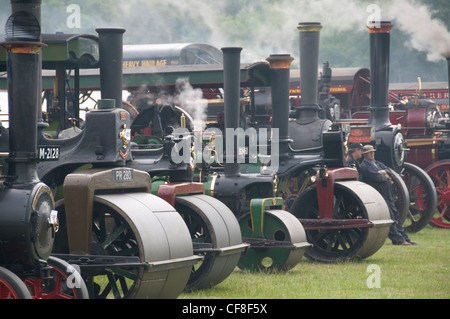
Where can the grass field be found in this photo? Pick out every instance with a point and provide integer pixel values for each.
(402, 272)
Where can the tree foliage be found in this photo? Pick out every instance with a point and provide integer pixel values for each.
(261, 27)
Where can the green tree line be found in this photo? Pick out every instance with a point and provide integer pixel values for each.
(261, 27)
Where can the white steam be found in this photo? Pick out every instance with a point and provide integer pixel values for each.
(426, 34)
(266, 27)
(192, 101)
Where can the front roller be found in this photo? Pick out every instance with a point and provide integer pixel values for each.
(215, 234)
(127, 242)
(357, 229)
(277, 239)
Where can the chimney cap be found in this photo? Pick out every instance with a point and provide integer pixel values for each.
(309, 26)
(280, 61)
(380, 26)
(110, 30)
(231, 49)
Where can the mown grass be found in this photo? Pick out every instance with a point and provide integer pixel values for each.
(407, 272)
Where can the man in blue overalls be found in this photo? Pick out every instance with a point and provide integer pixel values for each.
(376, 174)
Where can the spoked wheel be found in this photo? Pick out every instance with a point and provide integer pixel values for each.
(215, 232)
(285, 246)
(137, 225)
(352, 200)
(401, 195)
(422, 196)
(11, 286)
(440, 175)
(66, 282)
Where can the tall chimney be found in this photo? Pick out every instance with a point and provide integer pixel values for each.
(23, 45)
(390, 142)
(309, 63)
(279, 79)
(111, 57)
(379, 74)
(231, 83)
(307, 129)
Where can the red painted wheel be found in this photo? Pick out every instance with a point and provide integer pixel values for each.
(422, 197)
(11, 286)
(440, 175)
(66, 283)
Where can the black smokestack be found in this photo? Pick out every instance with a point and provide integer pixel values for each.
(309, 63)
(307, 129)
(279, 79)
(231, 86)
(111, 57)
(23, 45)
(379, 74)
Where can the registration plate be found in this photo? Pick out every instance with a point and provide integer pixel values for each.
(122, 175)
(48, 153)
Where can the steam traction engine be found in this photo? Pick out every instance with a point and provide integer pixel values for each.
(28, 219)
(277, 239)
(389, 139)
(426, 131)
(426, 136)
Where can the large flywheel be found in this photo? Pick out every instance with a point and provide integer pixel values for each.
(215, 234)
(341, 238)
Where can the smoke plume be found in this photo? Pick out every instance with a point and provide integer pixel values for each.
(192, 101)
(426, 34)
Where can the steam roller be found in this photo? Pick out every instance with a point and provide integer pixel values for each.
(356, 225)
(344, 218)
(274, 237)
(212, 228)
(128, 243)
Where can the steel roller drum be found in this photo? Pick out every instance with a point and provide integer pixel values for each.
(279, 226)
(352, 200)
(211, 222)
(161, 235)
(377, 213)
